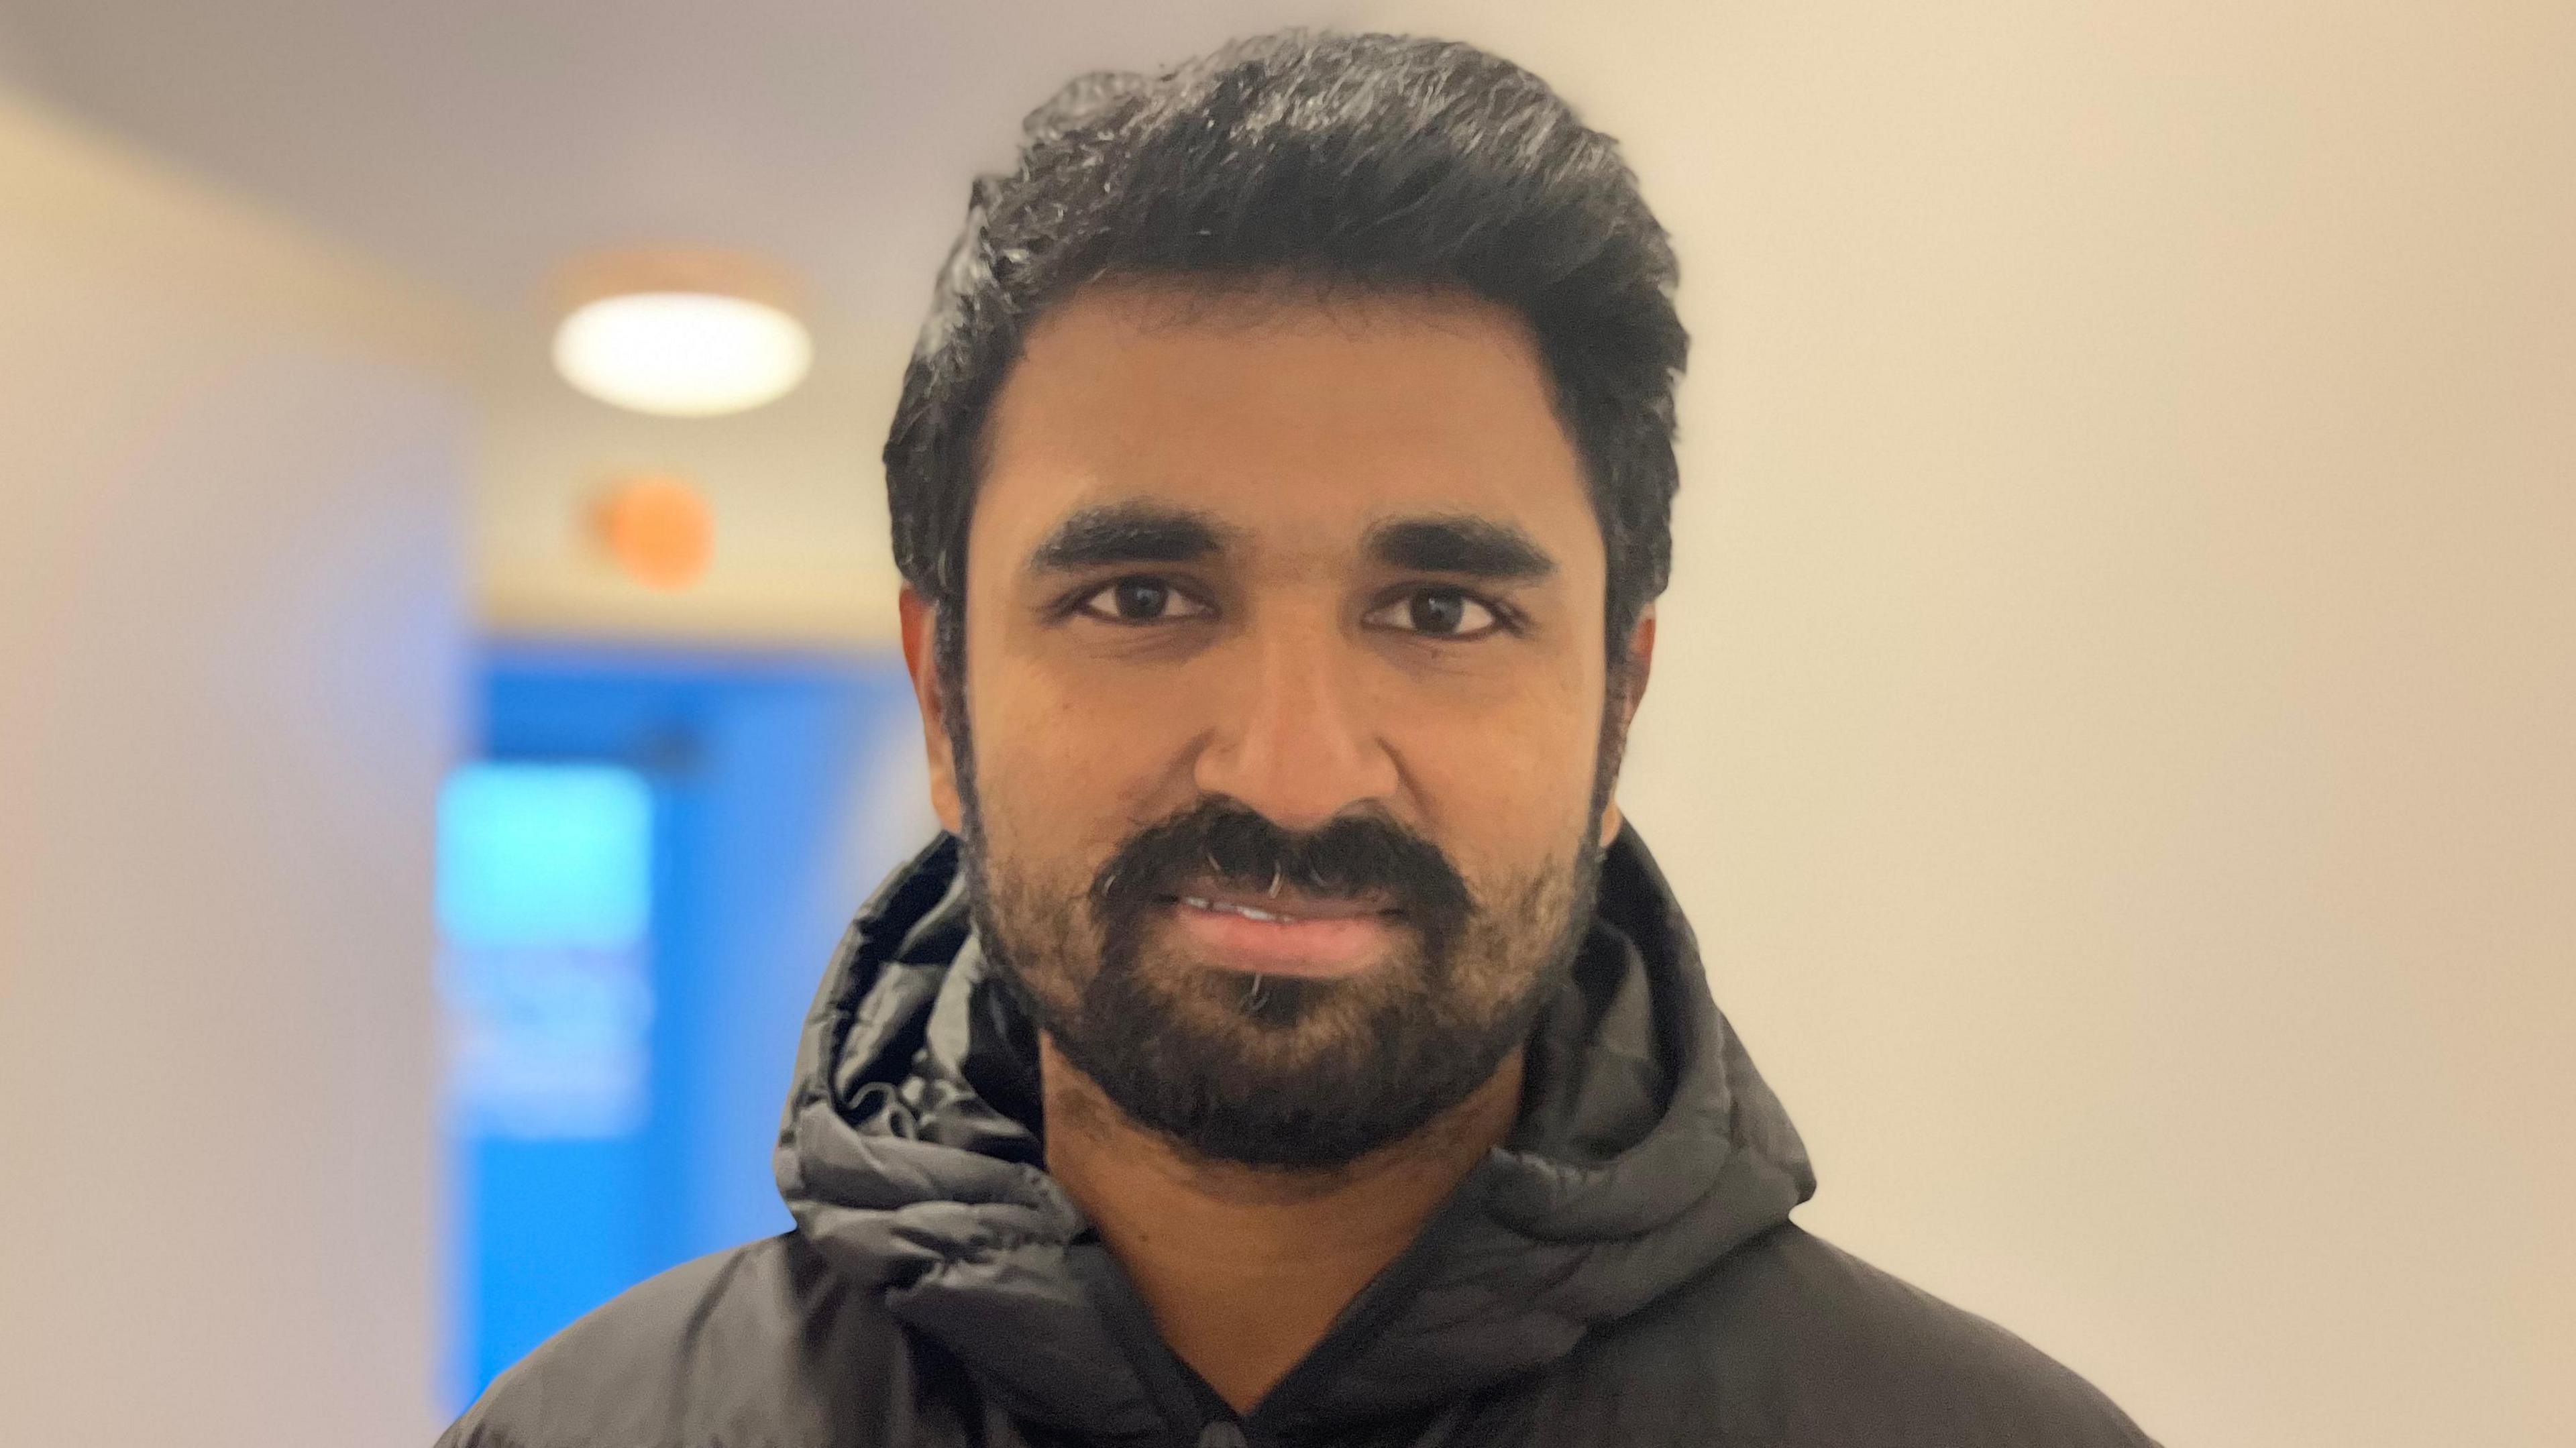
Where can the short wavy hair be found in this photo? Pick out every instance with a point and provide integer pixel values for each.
(1376, 162)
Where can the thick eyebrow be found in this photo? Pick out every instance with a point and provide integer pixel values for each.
(1115, 533)
(1478, 547)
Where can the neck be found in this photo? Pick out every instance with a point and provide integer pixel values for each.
(1244, 1268)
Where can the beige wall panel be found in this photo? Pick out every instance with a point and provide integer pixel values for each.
(2113, 712)
(231, 474)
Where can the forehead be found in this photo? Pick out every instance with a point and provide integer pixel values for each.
(1299, 419)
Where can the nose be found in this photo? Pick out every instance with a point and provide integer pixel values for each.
(1295, 734)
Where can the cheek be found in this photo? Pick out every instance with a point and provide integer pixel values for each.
(1505, 776)
(1062, 766)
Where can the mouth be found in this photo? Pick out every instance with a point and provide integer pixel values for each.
(1285, 934)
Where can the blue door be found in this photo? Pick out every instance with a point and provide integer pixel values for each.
(640, 880)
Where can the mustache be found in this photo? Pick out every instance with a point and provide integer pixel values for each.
(1229, 843)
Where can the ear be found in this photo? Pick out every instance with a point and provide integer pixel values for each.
(921, 660)
(1641, 663)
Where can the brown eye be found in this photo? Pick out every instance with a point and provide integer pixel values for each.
(1138, 598)
(1446, 613)
(1438, 613)
(1141, 600)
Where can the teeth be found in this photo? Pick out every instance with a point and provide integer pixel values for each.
(1246, 911)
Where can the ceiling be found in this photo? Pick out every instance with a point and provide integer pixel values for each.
(478, 143)
(475, 146)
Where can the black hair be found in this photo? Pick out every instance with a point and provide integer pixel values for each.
(1372, 161)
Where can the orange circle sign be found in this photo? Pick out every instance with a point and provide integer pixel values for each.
(659, 529)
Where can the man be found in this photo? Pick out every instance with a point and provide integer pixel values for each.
(1288, 1044)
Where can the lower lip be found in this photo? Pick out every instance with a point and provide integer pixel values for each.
(1317, 948)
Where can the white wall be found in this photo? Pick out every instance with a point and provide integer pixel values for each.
(2113, 720)
(230, 474)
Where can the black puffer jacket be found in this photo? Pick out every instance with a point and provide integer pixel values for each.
(1622, 1272)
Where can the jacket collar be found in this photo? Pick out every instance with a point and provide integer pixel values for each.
(911, 1156)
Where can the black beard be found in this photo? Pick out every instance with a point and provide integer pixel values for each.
(1272, 1071)
(1211, 1060)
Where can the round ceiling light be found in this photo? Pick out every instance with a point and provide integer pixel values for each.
(668, 334)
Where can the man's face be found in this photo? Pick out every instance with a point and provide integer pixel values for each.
(1284, 759)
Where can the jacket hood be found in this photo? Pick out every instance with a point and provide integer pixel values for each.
(911, 1154)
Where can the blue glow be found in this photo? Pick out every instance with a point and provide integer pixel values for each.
(545, 855)
(637, 890)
